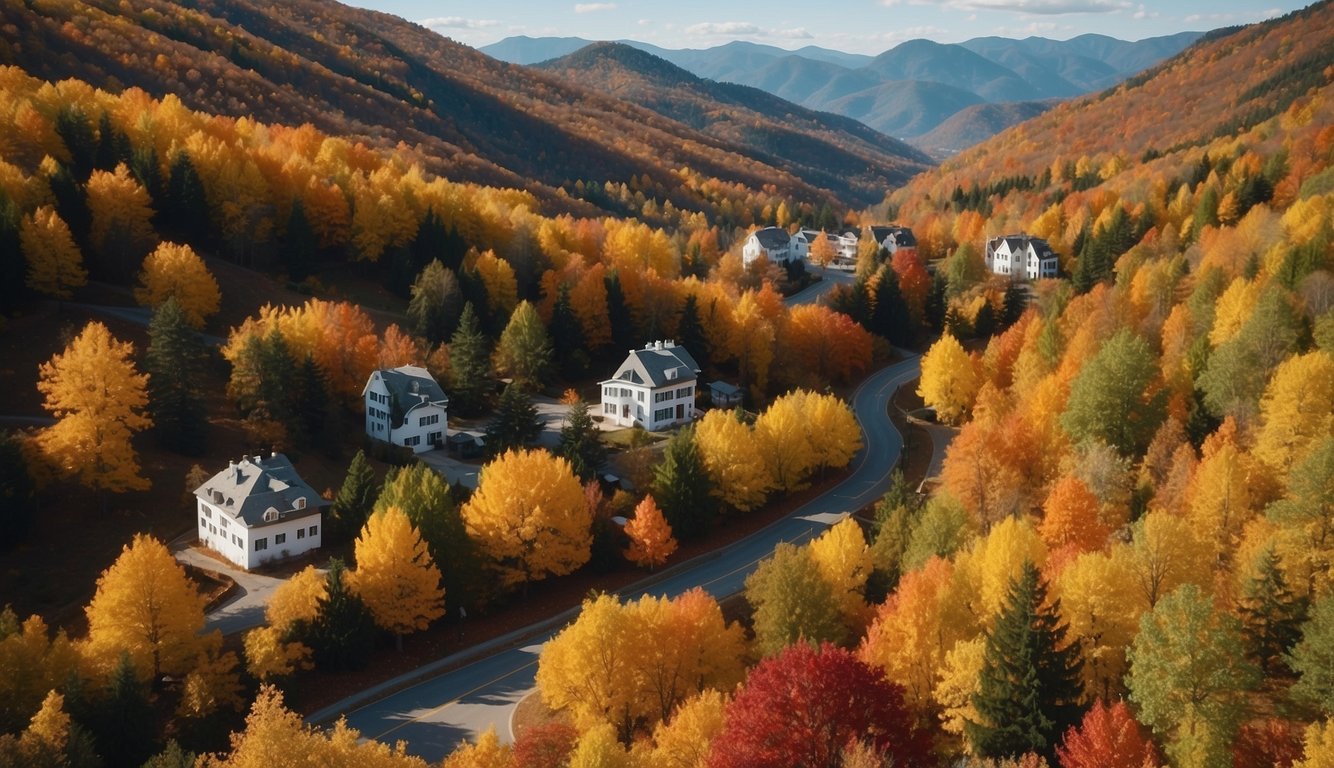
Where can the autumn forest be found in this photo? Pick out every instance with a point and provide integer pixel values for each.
(219, 218)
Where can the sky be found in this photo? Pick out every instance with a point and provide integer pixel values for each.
(855, 26)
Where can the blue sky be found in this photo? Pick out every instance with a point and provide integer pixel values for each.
(859, 26)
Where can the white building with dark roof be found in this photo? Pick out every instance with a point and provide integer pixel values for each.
(259, 509)
(773, 243)
(654, 388)
(1017, 256)
(892, 237)
(405, 406)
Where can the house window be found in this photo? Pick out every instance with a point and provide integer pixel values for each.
(301, 533)
(662, 397)
(662, 414)
(639, 396)
(301, 502)
(428, 420)
(203, 521)
(236, 540)
(683, 392)
(261, 544)
(208, 512)
(414, 440)
(223, 521)
(314, 529)
(280, 538)
(609, 408)
(212, 529)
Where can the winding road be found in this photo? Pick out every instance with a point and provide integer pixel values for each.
(432, 716)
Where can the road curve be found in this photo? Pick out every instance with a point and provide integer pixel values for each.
(432, 716)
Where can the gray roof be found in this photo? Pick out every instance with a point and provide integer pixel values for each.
(1021, 242)
(409, 386)
(772, 237)
(903, 236)
(651, 365)
(248, 488)
(723, 388)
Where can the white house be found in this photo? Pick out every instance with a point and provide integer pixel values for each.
(771, 242)
(259, 509)
(654, 388)
(893, 237)
(405, 406)
(1020, 255)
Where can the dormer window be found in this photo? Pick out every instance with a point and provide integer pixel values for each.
(301, 502)
(270, 515)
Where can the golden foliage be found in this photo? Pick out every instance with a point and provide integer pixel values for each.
(176, 271)
(395, 576)
(55, 265)
(651, 540)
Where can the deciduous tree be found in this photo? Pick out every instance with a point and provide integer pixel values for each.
(1313, 658)
(844, 561)
(1114, 398)
(528, 516)
(176, 271)
(949, 381)
(98, 396)
(395, 576)
(55, 265)
(122, 232)
(1296, 411)
(651, 540)
(423, 495)
(524, 350)
(793, 602)
(436, 303)
(733, 460)
(1107, 737)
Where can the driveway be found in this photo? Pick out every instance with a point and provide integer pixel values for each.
(244, 609)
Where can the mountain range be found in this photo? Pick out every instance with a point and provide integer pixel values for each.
(911, 89)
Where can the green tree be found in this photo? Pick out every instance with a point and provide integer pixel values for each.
(436, 303)
(1306, 511)
(963, 269)
(469, 365)
(682, 487)
(1030, 686)
(567, 337)
(792, 602)
(18, 493)
(175, 366)
(352, 506)
(310, 405)
(185, 209)
(1271, 615)
(122, 722)
(1238, 370)
(1313, 658)
(1189, 676)
(581, 442)
(890, 317)
(1114, 399)
(524, 349)
(624, 332)
(299, 243)
(424, 496)
(515, 423)
(690, 331)
(343, 633)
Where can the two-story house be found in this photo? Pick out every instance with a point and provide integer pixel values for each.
(258, 509)
(1021, 256)
(405, 406)
(654, 388)
(773, 243)
(893, 237)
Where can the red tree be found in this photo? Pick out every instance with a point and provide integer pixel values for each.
(803, 706)
(1108, 737)
(544, 746)
(1268, 742)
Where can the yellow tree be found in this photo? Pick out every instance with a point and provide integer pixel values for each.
(31, 663)
(651, 540)
(781, 437)
(1099, 600)
(268, 654)
(1164, 553)
(753, 338)
(99, 398)
(55, 265)
(488, 752)
(173, 270)
(122, 231)
(395, 576)
(1223, 493)
(949, 380)
(733, 460)
(831, 428)
(685, 740)
(147, 607)
(1297, 410)
(529, 517)
(844, 560)
(598, 748)
(822, 250)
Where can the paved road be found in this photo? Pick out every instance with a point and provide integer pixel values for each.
(244, 609)
(433, 716)
(814, 293)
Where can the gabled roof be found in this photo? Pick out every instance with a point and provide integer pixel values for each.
(903, 236)
(652, 366)
(249, 488)
(1022, 242)
(772, 237)
(409, 386)
(723, 388)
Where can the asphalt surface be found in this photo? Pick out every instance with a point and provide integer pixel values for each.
(433, 716)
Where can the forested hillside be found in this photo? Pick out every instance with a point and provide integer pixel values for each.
(357, 73)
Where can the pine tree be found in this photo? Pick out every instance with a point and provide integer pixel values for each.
(624, 333)
(581, 442)
(299, 243)
(1030, 687)
(890, 318)
(74, 128)
(524, 349)
(174, 364)
(343, 634)
(436, 303)
(567, 337)
(1013, 305)
(18, 493)
(123, 722)
(13, 266)
(470, 367)
(690, 332)
(515, 423)
(185, 208)
(311, 398)
(352, 506)
(1271, 614)
(682, 487)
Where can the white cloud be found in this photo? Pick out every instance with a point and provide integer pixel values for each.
(796, 33)
(1032, 7)
(457, 22)
(708, 28)
(594, 7)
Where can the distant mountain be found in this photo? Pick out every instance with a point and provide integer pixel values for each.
(530, 50)
(975, 124)
(828, 150)
(992, 69)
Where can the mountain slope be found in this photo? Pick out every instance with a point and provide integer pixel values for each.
(904, 107)
(975, 124)
(827, 149)
(953, 65)
(361, 73)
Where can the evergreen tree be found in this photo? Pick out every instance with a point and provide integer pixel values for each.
(174, 363)
(144, 167)
(581, 442)
(1271, 615)
(122, 722)
(436, 303)
(18, 493)
(71, 204)
(567, 337)
(343, 634)
(1029, 689)
(113, 147)
(515, 423)
(310, 412)
(352, 506)
(890, 318)
(1013, 305)
(524, 349)
(13, 266)
(1313, 658)
(470, 369)
(682, 487)
(624, 335)
(172, 756)
(299, 243)
(690, 333)
(936, 304)
(185, 209)
(76, 132)
(984, 323)
(277, 370)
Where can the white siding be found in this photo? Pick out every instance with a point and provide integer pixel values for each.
(230, 538)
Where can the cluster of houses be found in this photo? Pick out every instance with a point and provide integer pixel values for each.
(259, 509)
